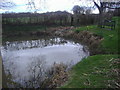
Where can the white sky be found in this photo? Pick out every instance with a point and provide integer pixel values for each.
(49, 5)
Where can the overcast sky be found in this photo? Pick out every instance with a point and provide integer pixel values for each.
(48, 5)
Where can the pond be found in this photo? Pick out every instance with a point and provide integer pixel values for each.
(19, 57)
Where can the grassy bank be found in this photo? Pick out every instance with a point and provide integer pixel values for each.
(99, 71)
(110, 37)
(94, 72)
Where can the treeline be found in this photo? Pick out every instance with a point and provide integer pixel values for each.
(50, 18)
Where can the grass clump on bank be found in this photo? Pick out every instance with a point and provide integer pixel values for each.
(97, 71)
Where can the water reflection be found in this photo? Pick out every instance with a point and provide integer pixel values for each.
(17, 45)
(20, 57)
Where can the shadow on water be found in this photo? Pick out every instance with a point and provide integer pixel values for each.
(27, 60)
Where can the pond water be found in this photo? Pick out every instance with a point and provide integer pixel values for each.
(19, 57)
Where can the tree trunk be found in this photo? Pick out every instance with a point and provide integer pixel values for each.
(100, 8)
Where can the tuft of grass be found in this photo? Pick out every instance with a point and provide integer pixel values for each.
(93, 72)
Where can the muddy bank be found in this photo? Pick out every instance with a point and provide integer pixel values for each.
(92, 41)
(40, 32)
(58, 78)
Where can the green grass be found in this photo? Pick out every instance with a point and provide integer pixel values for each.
(96, 71)
(110, 42)
(92, 72)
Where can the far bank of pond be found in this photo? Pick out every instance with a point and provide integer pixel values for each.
(91, 40)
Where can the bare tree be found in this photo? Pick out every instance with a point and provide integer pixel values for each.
(31, 4)
(37, 72)
(101, 5)
(6, 4)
